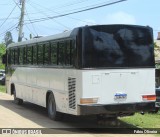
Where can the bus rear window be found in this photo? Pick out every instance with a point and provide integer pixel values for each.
(117, 46)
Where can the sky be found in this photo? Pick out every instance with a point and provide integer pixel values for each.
(136, 12)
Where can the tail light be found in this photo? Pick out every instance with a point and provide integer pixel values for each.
(149, 97)
(88, 100)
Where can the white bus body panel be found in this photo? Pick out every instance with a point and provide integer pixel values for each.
(32, 85)
(105, 84)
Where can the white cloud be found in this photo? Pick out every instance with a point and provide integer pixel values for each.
(119, 18)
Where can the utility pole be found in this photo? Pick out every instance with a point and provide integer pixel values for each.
(21, 21)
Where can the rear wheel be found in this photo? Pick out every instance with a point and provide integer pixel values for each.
(52, 112)
(17, 100)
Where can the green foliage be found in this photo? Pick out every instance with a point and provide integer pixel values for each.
(2, 52)
(2, 49)
(3, 89)
(8, 38)
(156, 50)
(157, 66)
(2, 66)
(155, 45)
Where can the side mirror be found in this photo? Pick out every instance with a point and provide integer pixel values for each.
(4, 61)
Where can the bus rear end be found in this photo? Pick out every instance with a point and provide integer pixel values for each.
(121, 92)
(117, 70)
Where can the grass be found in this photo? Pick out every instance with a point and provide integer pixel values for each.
(143, 121)
(3, 88)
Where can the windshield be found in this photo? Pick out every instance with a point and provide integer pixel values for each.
(117, 46)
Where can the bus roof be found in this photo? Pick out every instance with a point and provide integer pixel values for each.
(63, 35)
(42, 39)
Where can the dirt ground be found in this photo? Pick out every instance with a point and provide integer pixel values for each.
(32, 116)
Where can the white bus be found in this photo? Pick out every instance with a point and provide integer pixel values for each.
(92, 70)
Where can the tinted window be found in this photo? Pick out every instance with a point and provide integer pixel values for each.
(118, 46)
(29, 55)
(54, 53)
(8, 57)
(12, 56)
(61, 53)
(46, 53)
(16, 56)
(24, 55)
(40, 54)
(20, 56)
(72, 50)
(69, 53)
(35, 54)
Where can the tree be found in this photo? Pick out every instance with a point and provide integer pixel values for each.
(155, 45)
(8, 38)
(156, 49)
(2, 49)
(2, 52)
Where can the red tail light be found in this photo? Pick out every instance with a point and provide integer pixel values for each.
(149, 97)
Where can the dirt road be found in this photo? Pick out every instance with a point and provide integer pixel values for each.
(32, 116)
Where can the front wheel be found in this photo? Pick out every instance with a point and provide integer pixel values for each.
(17, 100)
(52, 113)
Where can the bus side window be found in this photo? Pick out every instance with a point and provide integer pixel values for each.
(68, 53)
(8, 57)
(73, 52)
(69, 59)
(18, 53)
(54, 53)
(29, 54)
(72, 49)
(61, 51)
(40, 54)
(35, 54)
(16, 56)
(46, 53)
(20, 56)
(12, 56)
(24, 55)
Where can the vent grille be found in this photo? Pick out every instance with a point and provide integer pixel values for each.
(72, 90)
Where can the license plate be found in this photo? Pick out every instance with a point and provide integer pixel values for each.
(120, 96)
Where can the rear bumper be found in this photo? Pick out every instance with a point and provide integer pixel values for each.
(116, 108)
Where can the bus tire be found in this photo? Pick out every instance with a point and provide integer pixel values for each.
(52, 113)
(17, 100)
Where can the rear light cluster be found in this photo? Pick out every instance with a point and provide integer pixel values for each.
(88, 100)
(149, 97)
